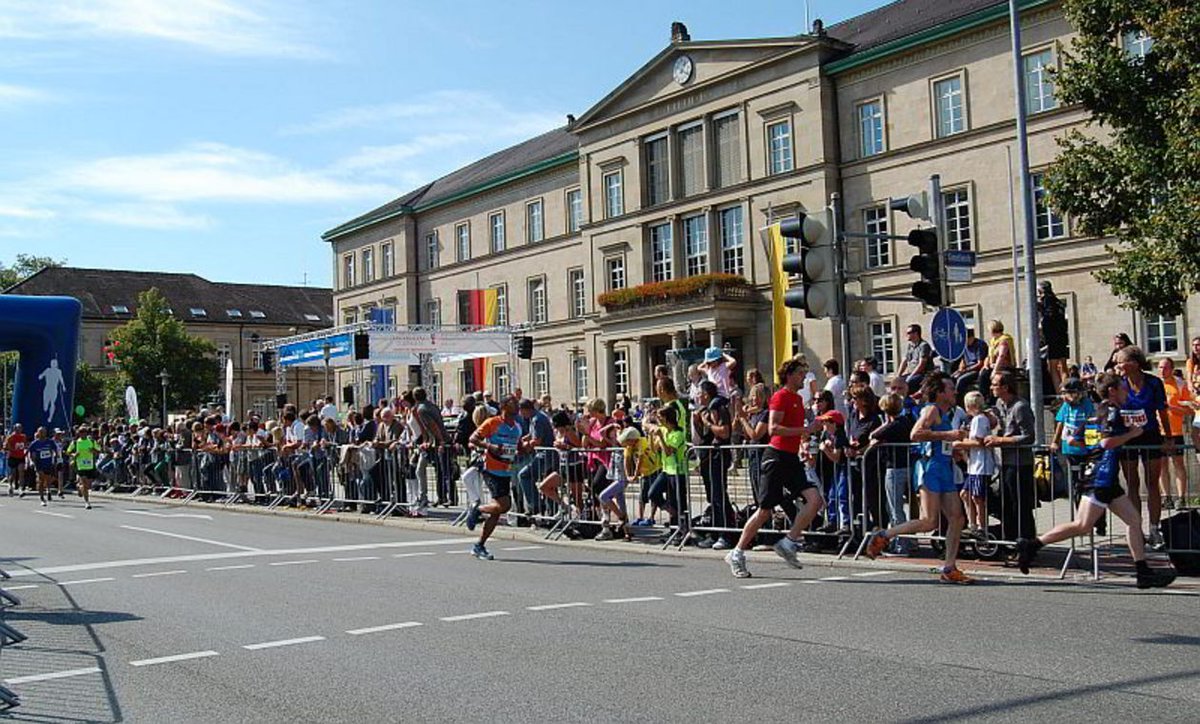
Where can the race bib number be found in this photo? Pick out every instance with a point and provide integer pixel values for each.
(1133, 417)
(947, 448)
(508, 452)
(46, 454)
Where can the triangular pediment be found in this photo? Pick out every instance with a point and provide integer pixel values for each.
(710, 61)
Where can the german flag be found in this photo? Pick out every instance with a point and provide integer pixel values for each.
(483, 310)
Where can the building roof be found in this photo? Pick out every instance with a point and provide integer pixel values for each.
(869, 34)
(108, 293)
(500, 167)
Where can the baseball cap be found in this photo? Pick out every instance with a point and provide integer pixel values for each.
(628, 435)
(833, 416)
(712, 354)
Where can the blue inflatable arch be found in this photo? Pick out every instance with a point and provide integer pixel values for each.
(44, 331)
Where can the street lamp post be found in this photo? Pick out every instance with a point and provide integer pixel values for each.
(164, 377)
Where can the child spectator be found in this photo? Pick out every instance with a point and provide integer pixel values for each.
(981, 465)
(718, 368)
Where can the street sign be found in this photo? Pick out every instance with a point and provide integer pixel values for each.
(959, 274)
(959, 258)
(949, 334)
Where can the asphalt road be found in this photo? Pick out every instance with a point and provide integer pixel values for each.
(145, 613)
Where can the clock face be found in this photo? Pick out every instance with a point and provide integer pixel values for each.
(683, 69)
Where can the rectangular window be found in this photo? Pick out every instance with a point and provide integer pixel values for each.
(350, 316)
(464, 307)
(347, 271)
(368, 265)
(615, 268)
(539, 378)
(435, 390)
(462, 242)
(224, 350)
(500, 382)
(957, 204)
(951, 110)
(661, 253)
(1046, 223)
(389, 259)
(431, 250)
(433, 312)
(779, 143)
(621, 371)
(574, 210)
(883, 346)
(691, 159)
(579, 377)
(870, 128)
(1039, 86)
(1136, 43)
(732, 250)
(496, 226)
(578, 290)
(695, 242)
(658, 178)
(879, 251)
(727, 130)
(502, 305)
(1162, 334)
(614, 195)
(537, 301)
(535, 227)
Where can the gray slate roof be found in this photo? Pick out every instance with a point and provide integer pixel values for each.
(99, 290)
(515, 158)
(869, 30)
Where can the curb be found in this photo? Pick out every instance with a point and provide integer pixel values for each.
(509, 533)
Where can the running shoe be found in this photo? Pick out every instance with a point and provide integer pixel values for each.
(88, 506)
(956, 576)
(705, 543)
(786, 548)
(1154, 578)
(875, 546)
(472, 517)
(722, 545)
(43, 504)
(737, 563)
(482, 553)
(605, 534)
(1027, 549)
(1155, 540)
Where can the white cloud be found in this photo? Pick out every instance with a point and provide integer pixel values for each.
(11, 95)
(448, 110)
(370, 158)
(162, 217)
(212, 172)
(226, 27)
(25, 212)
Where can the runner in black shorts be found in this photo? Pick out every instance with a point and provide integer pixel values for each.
(1105, 492)
(783, 476)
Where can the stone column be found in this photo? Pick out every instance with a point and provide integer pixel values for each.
(715, 338)
(639, 370)
(604, 371)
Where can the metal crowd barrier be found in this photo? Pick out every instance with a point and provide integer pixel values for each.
(8, 636)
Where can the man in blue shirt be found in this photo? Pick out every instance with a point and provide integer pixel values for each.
(532, 468)
(1105, 492)
(966, 377)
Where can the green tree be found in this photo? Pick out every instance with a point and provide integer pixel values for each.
(1138, 178)
(24, 267)
(154, 341)
(89, 390)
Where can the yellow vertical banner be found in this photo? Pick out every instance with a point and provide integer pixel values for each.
(781, 316)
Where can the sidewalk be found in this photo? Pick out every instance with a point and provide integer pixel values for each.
(1116, 568)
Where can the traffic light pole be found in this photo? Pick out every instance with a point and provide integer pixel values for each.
(839, 270)
(937, 211)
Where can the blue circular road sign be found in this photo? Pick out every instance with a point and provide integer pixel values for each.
(949, 334)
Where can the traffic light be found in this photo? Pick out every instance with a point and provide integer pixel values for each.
(362, 346)
(267, 360)
(916, 206)
(817, 294)
(524, 346)
(928, 263)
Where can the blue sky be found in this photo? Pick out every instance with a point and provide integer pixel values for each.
(222, 137)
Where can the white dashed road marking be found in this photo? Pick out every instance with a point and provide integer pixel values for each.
(868, 574)
(199, 516)
(356, 558)
(521, 548)
(639, 599)
(412, 555)
(172, 659)
(707, 592)
(56, 515)
(192, 538)
(472, 616)
(230, 568)
(756, 586)
(158, 573)
(387, 627)
(554, 606)
(294, 563)
(284, 642)
(53, 675)
(835, 578)
(85, 580)
(20, 588)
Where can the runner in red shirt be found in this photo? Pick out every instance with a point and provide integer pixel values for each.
(783, 474)
(14, 450)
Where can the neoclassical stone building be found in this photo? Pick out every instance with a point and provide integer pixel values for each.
(667, 179)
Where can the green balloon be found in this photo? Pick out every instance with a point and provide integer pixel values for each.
(79, 410)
